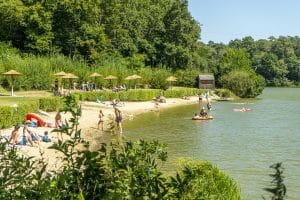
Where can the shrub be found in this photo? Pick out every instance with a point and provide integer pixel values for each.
(187, 78)
(243, 83)
(51, 103)
(158, 79)
(201, 179)
(225, 93)
(178, 93)
(10, 116)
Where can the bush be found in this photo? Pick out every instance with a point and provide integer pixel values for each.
(178, 93)
(51, 103)
(244, 84)
(201, 179)
(10, 116)
(187, 78)
(224, 93)
(158, 80)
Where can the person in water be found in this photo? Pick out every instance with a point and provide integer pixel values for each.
(209, 106)
(118, 115)
(203, 112)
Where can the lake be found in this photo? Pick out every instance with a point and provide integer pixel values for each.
(242, 144)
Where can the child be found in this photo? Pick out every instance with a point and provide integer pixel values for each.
(101, 116)
(45, 137)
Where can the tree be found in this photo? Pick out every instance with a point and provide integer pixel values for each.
(273, 70)
(181, 35)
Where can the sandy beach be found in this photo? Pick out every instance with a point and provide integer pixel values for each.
(88, 123)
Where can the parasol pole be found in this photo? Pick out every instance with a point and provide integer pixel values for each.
(12, 86)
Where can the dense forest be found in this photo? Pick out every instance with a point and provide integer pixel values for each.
(141, 35)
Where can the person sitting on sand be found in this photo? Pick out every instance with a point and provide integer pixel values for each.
(59, 124)
(101, 121)
(203, 112)
(30, 136)
(14, 138)
(46, 137)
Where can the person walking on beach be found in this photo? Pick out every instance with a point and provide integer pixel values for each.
(101, 121)
(118, 115)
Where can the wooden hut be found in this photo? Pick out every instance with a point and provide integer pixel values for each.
(206, 81)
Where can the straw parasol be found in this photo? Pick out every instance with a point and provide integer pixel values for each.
(110, 78)
(133, 77)
(171, 79)
(12, 74)
(95, 75)
(61, 73)
(69, 76)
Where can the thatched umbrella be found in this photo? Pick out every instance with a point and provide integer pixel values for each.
(95, 75)
(60, 75)
(171, 79)
(69, 76)
(110, 78)
(133, 77)
(12, 74)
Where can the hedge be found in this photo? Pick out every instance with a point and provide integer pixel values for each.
(144, 94)
(10, 116)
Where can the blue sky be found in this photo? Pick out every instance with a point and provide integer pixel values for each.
(225, 20)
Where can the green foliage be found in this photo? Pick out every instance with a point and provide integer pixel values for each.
(225, 93)
(51, 104)
(178, 93)
(187, 78)
(278, 190)
(201, 180)
(233, 60)
(124, 170)
(10, 116)
(158, 79)
(243, 84)
(143, 94)
(274, 70)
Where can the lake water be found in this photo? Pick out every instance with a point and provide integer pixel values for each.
(243, 144)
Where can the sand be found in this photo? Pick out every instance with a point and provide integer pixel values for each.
(88, 123)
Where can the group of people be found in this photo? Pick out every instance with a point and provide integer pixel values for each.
(118, 117)
(28, 136)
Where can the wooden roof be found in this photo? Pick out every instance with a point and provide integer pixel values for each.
(206, 77)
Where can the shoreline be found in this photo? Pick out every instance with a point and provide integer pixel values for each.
(88, 123)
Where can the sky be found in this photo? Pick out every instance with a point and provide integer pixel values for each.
(225, 20)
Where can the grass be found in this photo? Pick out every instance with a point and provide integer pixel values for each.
(22, 97)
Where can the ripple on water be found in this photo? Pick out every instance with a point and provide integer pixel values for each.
(244, 145)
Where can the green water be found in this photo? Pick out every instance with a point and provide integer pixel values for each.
(243, 145)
